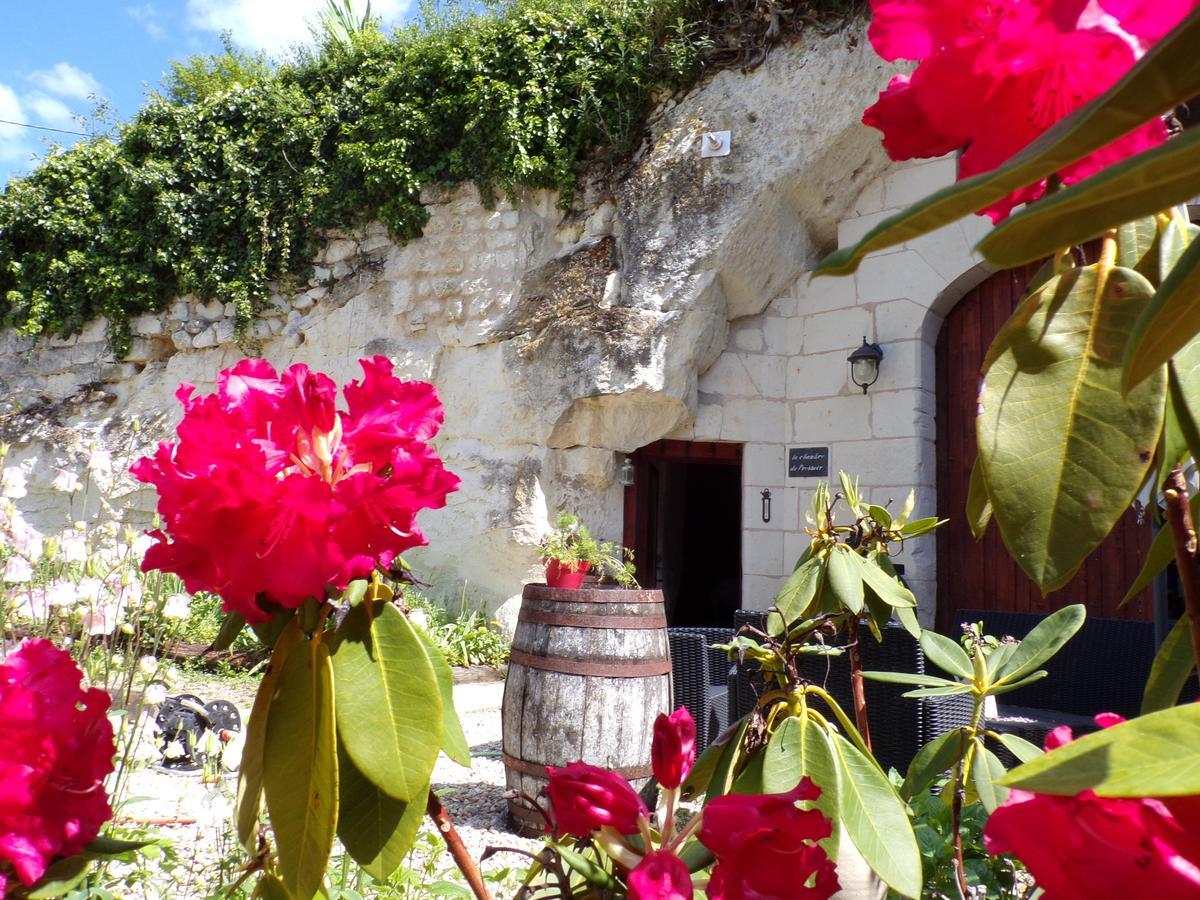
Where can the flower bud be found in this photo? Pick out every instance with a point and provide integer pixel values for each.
(583, 798)
(673, 751)
(661, 875)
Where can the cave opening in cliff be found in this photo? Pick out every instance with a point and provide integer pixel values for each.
(683, 522)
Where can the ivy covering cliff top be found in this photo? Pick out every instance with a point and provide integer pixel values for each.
(224, 180)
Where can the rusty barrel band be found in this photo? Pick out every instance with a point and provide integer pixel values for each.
(654, 621)
(570, 666)
(591, 595)
(537, 770)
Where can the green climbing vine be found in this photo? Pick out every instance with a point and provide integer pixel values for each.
(222, 181)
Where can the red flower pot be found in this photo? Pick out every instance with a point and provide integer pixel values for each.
(561, 576)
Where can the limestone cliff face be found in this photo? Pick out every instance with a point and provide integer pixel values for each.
(556, 339)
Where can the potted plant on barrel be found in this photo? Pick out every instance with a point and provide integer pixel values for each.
(569, 552)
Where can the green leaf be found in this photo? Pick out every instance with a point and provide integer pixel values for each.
(797, 593)
(102, 845)
(886, 586)
(1161, 555)
(389, 713)
(592, 872)
(1173, 663)
(912, 678)
(269, 887)
(1139, 186)
(725, 770)
(376, 830)
(250, 773)
(1155, 755)
(985, 772)
(702, 772)
(1138, 247)
(876, 819)
(1019, 747)
(844, 580)
(300, 777)
(1183, 380)
(998, 657)
(60, 877)
(947, 655)
(995, 690)
(1043, 641)
(801, 747)
(454, 741)
(948, 691)
(1169, 322)
(230, 629)
(1063, 451)
(979, 504)
(931, 761)
(1164, 78)
(918, 527)
(355, 592)
(880, 515)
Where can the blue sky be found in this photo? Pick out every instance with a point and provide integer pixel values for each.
(58, 54)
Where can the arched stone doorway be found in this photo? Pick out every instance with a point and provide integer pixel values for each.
(981, 575)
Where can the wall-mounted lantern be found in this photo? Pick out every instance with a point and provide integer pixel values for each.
(864, 364)
(625, 474)
(766, 504)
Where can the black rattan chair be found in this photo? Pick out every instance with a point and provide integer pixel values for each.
(700, 678)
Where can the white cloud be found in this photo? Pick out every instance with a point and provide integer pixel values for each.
(147, 16)
(51, 112)
(66, 81)
(275, 25)
(13, 140)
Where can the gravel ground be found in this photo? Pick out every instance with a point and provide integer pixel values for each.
(195, 814)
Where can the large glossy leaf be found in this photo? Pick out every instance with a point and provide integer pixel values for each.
(887, 586)
(985, 772)
(1156, 755)
(300, 777)
(801, 747)
(979, 504)
(250, 772)
(947, 654)
(911, 678)
(389, 706)
(727, 764)
(1170, 321)
(797, 593)
(876, 819)
(1183, 379)
(454, 741)
(376, 830)
(1063, 451)
(844, 580)
(230, 629)
(60, 877)
(997, 690)
(1022, 749)
(1043, 641)
(1139, 186)
(1168, 75)
(1174, 662)
(932, 760)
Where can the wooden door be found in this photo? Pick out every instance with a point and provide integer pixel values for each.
(981, 575)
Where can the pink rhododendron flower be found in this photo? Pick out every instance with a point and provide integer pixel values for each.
(766, 847)
(1101, 847)
(272, 492)
(673, 750)
(995, 74)
(56, 747)
(661, 875)
(585, 798)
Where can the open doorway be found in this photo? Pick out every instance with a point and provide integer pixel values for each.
(683, 521)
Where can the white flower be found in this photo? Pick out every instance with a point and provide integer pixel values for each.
(12, 484)
(100, 462)
(73, 547)
(155, 693)
(419, 618)
(130, 594)
(141, 544)
(17, 570)
(33, 606)
(27, 539)
(66, 481)
(89, 589)
(101, 619)
(147, 665)
(60, 593)
(177, 607)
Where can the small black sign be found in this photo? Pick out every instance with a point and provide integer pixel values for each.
(808, 462)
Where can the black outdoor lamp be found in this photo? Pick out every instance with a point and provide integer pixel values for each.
(864, 364)
(766, 504)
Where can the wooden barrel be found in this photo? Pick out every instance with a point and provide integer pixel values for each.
(590, 670)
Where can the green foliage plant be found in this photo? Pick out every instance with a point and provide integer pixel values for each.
(1120, 406)
(570, 544)
(225, 180)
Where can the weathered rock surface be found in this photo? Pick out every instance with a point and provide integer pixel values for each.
(556, 339)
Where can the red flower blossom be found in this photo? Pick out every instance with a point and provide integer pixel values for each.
(272, 493)
(1101, 847)
(56, 747)
(996, 74)
(673, 750)
(585, 798)
(661, 875)
(766, 847)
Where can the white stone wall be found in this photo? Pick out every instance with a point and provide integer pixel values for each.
(783, 382)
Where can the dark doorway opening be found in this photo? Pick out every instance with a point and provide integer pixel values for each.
(683, 521)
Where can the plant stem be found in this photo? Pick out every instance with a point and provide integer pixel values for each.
(1183, 532)
(856, 682)
(960, 870)
(457, 849)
